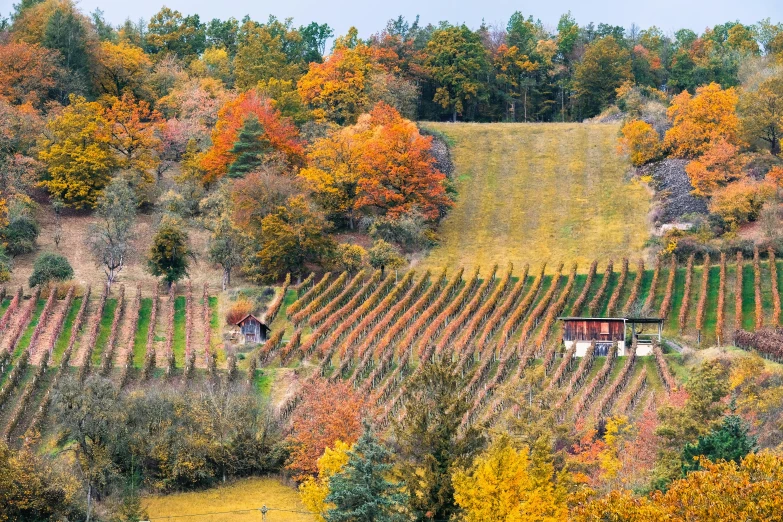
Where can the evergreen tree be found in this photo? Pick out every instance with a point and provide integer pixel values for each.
(431, 444)
(249, 149)
(730, 441)
(360, 492)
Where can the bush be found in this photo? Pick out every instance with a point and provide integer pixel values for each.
(20, 235)
(5, 266)
(410, 231)
(640, 141)
(50, 267)
(740, 202)
(351, 257)
(238, 310)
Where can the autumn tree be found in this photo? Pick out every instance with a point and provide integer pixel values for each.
(640, 141)
(257, 195)
(330, 412)
(740, 202)
(761, 112)
(279, 132)
(333, 171)
(169, 31)
(431, 447)
(361, 490)
(169, 256)
(603, 68)
(730, 442)
(260, 56)
(701, 120)
(455, 59)
(338, 89)
(122, 68)
(718, 166)
(29, 73)
(383, 255)
(133, 138)
(227, 243)
(110, 236)
(293, 235)
(314, 490)
(398, 171)
(77, 153)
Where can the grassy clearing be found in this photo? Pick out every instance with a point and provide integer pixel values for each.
(248, 495)
(4, 305)
(140, 338)
(539, 192)
(65, 335)
(711, 312)
(748, 297)
(105, 330)
(178, 345)
(672, 324)
(645, 287)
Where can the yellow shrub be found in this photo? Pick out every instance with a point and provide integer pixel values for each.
(740, 202)
(640, 141)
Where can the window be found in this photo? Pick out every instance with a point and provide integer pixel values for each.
(604, 328)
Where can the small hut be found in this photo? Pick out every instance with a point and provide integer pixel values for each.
(252, 330)
(604, 331)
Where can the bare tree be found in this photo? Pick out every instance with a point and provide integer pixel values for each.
(109, 238)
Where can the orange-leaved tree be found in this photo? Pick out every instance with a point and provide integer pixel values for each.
(338, 88)
(700, 120)
(398, 171)
(133, 138)
(640, 141)
(718, 166)
(28, 73)
(329, 412)
(278, 132)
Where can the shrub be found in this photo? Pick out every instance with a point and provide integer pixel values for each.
(384, 255)
(409, 230)
(5, 266)
(50, 267)
(238, 310)
(741, 202)
(351, 257)
(640, 141)
(20, 235)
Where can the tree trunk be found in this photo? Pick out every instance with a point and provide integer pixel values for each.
(774, 147)
(226, 277)
(89, 502)
(454, 115)
(350, 219)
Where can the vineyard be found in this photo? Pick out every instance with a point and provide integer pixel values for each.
(375, 330)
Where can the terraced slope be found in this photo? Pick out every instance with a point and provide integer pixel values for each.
(530, 193)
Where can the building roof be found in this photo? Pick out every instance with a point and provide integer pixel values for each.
(637, 320)
(254, 317)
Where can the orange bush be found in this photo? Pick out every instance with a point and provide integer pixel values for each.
(719, 165)
(239, 310)
(639, 140)
(740, 202)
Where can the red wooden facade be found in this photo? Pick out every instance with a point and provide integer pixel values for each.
(598, 329)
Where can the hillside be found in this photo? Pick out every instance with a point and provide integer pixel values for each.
(539, 192)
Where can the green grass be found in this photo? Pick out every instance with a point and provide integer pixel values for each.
(579, 284)
(614, 279)
(104, 331)
(539, 192)
(748, 297)
(140, 338)
(597, 280)
(264, 382)
(214, 318)
(766, 292)
(711, 311)
(65, 336)
(672, 325)
(178, 345)
(4, 306)
(645, 288)
(24, 340)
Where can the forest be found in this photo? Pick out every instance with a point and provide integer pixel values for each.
(165, 179)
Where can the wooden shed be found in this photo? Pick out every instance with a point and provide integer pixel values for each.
(605, 331)
(252, 330)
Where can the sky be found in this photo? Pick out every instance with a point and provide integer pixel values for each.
(370, 17)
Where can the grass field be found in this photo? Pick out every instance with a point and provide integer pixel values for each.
(238, 501)
(539, 192)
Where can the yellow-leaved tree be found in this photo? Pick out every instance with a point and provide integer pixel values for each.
(639, 140)
(701, 120)
(77, 153)
(506, 484)
(314, 490)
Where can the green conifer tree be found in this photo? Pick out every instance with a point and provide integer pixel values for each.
(361, 491)
(729, 441)
(249, 149)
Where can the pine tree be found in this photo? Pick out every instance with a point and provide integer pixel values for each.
(360, 492)
(249, 149)
(729, 441)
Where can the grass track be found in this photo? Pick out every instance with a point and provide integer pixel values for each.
(178, 345)
(140, 337)
(104, 331)
(539, 192)
(65, 335)
(24, 340)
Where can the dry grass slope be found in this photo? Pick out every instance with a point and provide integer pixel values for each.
(530, 193)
